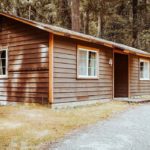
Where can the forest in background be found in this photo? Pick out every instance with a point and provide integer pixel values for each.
(122, 21)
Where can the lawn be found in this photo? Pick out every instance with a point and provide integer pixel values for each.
(27, 126)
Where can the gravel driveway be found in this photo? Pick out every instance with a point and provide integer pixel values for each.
(127, 131)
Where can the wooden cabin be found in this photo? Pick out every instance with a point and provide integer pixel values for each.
(40, 63)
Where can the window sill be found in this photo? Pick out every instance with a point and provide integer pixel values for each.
(144, 79)
(88, 78)
(3, 77)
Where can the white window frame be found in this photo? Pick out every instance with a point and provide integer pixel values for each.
(144, 60)
(88, 49)
(6, 75)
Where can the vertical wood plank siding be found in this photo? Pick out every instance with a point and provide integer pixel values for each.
(137, 87)
(67, 87)
(28, 63)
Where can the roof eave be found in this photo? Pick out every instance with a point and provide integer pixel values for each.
(73, 36)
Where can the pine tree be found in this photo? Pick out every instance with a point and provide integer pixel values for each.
(126, 22)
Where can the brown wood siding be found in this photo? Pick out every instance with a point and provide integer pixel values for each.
(28, 63)
(138, 87)
(66, 85)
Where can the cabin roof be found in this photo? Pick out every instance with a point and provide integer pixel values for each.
(76, 35)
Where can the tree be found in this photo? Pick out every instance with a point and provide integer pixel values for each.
(135, 22)
(101, 13)
(75, 15)
(126, 22)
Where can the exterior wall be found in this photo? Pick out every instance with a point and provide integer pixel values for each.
(27, 79)
(137, 87)
(28, 66)
(67, 87)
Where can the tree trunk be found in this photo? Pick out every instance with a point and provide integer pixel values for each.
(100, 29)
(87, 23)
(135, 22)
(82, 22)
(75, 15)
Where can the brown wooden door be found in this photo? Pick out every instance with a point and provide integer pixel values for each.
(120, 75)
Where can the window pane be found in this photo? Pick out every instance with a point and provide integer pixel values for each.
(4, 70)
(92, 64)
(144, 70)
(3, 54)
(1, 71)
(83, 63)
(141, 69)
(3, 62)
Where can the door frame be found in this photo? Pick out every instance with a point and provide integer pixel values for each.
(124, 53)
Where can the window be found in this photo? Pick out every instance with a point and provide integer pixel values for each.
(3, 62)
(87, 63)
(144, 70)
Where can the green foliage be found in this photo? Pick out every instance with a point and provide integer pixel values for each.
(109, 19)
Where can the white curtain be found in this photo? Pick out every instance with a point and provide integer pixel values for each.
(83, 63)
(146, 70)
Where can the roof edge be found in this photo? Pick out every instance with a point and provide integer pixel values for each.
(76, 35)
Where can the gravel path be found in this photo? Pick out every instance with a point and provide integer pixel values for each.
(127, 131)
